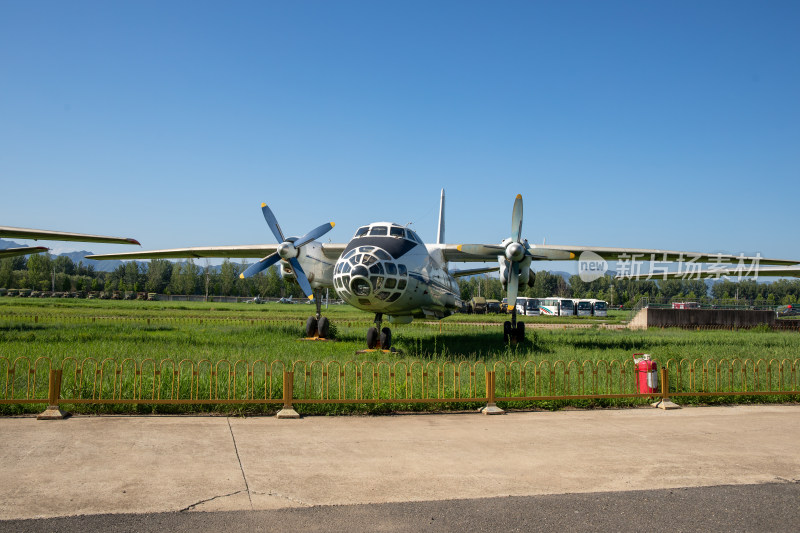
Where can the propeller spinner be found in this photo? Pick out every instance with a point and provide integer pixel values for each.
(288, 250)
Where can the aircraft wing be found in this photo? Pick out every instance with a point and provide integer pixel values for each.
(11, 252)
(254, 251)
(472, 271)
(37, 234)
(551, 252)
(745, 272)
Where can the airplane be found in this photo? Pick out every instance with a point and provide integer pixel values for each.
(36, 234)
(386, 269)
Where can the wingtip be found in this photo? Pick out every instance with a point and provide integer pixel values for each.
(459, 247)
(134, 241)
(311, 297)
(241, 276)
(519, 197)
(263, 205)
(333, 224)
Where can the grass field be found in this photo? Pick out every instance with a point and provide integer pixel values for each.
(176, 331)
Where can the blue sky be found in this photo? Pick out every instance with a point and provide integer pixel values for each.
(642, 124)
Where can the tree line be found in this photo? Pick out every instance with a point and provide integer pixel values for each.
(628, 292)
(43, 272)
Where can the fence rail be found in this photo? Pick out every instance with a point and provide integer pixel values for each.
(187, 382)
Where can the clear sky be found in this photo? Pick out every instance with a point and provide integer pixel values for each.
(642, 124)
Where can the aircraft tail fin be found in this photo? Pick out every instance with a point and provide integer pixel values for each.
(440, 233)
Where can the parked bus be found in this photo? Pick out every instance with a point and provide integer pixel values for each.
(600, 307)
(556, 307)
(583, 307)
(527, 306)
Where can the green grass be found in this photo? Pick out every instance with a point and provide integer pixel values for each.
(59, 330)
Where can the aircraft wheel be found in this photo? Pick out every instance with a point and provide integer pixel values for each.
(323, 327)
(372, 338)
(311, 326)
(519, 334)
(386, 338)
(506, 331)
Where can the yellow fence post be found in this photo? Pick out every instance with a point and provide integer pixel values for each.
(665, 403)
(491, 407)
(53, 412)
(288, 393)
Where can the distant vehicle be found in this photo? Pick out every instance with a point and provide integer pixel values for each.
(789, 310)
(599, 307)
(256, 300)
(493, 306)
(528, 306)
(477, 305)
(583, 307)
(286, 300)
(556, 306)
(685, 305)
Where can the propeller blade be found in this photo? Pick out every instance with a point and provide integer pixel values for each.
(301, 278)
(272, 222)
(263, 264)
(314, 234)
(481, 249)
(513, 285)
(516, 219)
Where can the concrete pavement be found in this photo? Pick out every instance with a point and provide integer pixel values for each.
(110, 464)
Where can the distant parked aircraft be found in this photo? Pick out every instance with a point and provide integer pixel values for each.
(48, 235)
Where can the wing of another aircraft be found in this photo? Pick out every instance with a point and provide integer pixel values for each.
(472, 271)
(11, 252)
(256, 250)
(47, 235)
(743, 272)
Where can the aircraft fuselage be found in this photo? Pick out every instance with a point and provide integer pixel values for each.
(387, 269)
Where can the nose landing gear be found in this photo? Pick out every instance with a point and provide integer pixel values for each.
(513, 331)
(379, 341)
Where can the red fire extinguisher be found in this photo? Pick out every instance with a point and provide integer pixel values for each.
(646, 374)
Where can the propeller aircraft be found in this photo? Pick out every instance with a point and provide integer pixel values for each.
(48, 235)
(386, 269)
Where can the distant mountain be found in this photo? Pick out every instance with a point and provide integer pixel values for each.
(10, 244)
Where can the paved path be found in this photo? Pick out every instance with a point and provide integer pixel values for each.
(164, 464)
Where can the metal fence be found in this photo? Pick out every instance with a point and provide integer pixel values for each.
(186, 382)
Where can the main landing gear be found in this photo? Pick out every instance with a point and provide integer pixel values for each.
(512, 330)
(317, 326)
(376, 340)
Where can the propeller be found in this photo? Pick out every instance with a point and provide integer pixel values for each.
(514, 249)
(288, 249)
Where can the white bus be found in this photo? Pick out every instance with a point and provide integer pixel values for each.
(556, 307)
(583, 307)
(600, 307)
(527, 306)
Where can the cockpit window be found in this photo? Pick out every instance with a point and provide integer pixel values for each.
(395, 231)
(382, 255)
(402, 269)
(361, 231)
(413, 236)
(378, 230)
